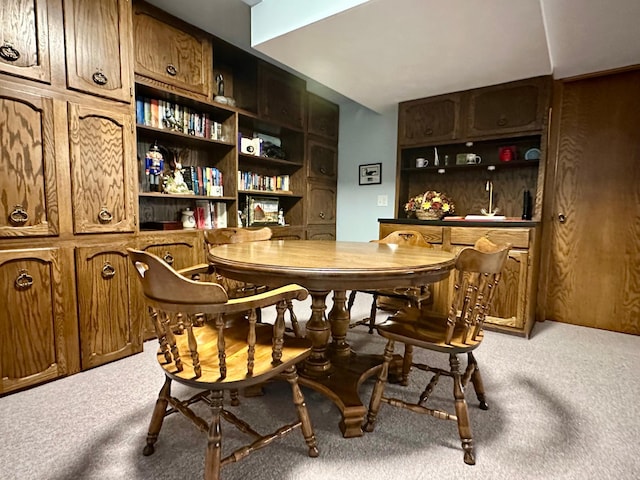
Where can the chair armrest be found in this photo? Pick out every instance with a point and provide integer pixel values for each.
(265, 299)
(199, 269)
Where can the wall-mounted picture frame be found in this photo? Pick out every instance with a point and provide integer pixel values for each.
(370, 174)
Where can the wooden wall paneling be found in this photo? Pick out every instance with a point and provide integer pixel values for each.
(593, 265)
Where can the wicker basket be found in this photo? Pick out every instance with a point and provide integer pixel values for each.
(427, 215)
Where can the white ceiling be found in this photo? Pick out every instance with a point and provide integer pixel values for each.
(382, 52)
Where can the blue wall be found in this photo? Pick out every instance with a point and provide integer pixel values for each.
(365, 137)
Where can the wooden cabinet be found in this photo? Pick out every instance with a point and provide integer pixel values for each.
(37, 322)
(513, 108)
(171, 54)
(280, 96)
(429, 120)
(321, 201)
(95, 34)
(24, 39)
(513, 309)
(322, 160)
(108, 306)
(323, 118)
(102, 171)
(27, 165)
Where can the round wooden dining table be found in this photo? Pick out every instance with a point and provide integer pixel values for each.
(322, 266)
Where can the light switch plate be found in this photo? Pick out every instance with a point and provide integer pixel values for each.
(383, 200)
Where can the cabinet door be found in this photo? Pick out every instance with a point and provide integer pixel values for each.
(24, 39)
(327, 232)
(507, 109)
(98, 43)
(102, 151)
(280, 96)
(179, 252)
(170, 52)
(107, 305)
(322, 160)
(33, 320)
(429, 120)
(509, 301)
(321, 202)
(324, 118)
(29, 203)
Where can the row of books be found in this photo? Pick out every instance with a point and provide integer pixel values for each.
(152, 112)
(265, 183)
(210, 214)
(205, 181)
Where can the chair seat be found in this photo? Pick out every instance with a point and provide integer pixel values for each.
(294, 350)
(427, 332)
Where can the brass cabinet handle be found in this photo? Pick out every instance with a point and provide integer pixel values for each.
(429, 131)
(321, 215)
(168, 258)
(105, 215)
(23, 280)
(99, 78)
(108, 271)
(19, 216)
(9, 53)
(172, 70)
(502, 122)
(562, 218)
(323, 170)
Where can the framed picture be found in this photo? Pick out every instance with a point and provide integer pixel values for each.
(370, 174)
(262, 210)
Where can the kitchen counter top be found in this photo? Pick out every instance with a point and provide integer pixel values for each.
(509, 222)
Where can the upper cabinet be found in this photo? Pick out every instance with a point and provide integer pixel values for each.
(323, 117)
(500, 111)
(98, 38)
(24, 39)
(281, 96)
(170, 54)
(29, 204)
(507, 109)
(429, 120)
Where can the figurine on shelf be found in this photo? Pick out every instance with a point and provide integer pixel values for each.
(220, 97)
(154, 167)
(174, 183)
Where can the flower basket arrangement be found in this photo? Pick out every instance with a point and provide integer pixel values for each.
(430, 205)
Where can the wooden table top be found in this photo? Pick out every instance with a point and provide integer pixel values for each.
(329, 265)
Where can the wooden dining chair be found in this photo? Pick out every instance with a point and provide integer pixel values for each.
(477, 273)
(213, 356)
(236, 288)
(407, 295)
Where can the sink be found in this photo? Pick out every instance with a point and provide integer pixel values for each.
(487, 218)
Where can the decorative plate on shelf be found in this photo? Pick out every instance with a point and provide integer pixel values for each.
(532, 154)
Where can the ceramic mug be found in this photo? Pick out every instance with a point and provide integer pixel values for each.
(473, 159)
(421, 162)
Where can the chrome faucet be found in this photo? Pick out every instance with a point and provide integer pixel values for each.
(489, 188)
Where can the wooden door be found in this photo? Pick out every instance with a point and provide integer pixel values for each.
(34, 319)
(107, 305)
(24, 39)
(593, 273)
(102, 170)
(29, 203)
(98, 47)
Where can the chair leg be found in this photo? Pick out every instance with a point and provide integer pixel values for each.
(407, 360)
(295, 326)
(372, 314)
(158, 416)
(352, 299)
(476, 380)
(464, 426)
(378, 389)
(213, 456)
(303, 414)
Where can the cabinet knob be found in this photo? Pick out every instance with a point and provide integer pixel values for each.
(9, 53)
(428, 131)
(18, 216)
(105, 215)
(172, 70)
(562, 218)
(323, 170)
(24, 280)
(321, 215)
(168, 258)
(99, 78)
(502, 122)
(108, 271)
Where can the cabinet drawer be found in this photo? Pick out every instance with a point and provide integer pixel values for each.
(517, 237)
